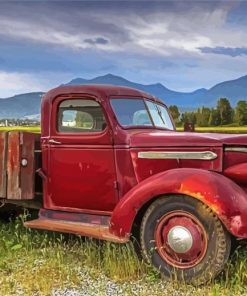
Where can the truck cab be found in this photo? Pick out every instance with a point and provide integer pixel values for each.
(114, 167)
(86, 145)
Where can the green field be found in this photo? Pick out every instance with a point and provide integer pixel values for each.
(220, 129)
(217, 129)
(33, 129)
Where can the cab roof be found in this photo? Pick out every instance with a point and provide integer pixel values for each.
(98, 90)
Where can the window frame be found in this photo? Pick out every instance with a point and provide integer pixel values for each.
(168, 112)
(55, 118)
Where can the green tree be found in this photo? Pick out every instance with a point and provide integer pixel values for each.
(214, 119)
(83, 119)
(202, 116)
(241, 112)
(198, 116)
(188, 117)
(225, 110)
(175, 113)
(184, 118)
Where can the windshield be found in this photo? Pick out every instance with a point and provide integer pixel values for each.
(140, 112)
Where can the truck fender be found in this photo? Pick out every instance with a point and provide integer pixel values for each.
(224, 197)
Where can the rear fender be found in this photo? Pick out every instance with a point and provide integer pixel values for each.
(226, 199)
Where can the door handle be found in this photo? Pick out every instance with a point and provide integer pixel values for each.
(52, 141)
(41, 173)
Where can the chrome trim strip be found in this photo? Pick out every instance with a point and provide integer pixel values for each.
(204, 155)
(236, 149)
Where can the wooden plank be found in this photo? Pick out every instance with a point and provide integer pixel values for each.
(13, 166)
(21, 165)
(27, 142)
(3, 156)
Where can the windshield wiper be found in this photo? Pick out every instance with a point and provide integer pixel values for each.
(160, 115)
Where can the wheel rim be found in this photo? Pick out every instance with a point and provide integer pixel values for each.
(181, 239)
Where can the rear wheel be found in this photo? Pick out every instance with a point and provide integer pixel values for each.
(184, 239)
(9, 212)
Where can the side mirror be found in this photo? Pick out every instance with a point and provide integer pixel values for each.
(189, 127)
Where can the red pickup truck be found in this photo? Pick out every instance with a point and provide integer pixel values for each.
(110, 165)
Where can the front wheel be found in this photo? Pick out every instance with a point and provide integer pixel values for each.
(184, 239)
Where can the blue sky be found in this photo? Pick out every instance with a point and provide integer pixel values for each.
(184, 45)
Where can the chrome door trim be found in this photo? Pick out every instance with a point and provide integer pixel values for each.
(236, 149)
(203, 155)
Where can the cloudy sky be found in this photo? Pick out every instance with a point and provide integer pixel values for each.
(184, 45)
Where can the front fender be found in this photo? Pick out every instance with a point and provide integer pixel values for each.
(222, 195)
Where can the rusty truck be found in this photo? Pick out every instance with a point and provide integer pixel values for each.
(109, 164)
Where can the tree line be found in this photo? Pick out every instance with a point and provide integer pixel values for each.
(18, 122)
(222, 114)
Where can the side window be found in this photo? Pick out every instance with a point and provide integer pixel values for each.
(80, 116)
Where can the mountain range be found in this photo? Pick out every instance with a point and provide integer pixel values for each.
(28, 104)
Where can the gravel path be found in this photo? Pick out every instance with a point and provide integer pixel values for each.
(102, 286)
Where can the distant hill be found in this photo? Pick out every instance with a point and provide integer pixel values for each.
(20, 105)
(158, 89)
(234, 90)
(29, 104)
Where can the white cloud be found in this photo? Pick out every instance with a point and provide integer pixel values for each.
(174, 34)
(12, 83)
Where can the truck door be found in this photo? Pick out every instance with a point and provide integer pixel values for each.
(81, 170)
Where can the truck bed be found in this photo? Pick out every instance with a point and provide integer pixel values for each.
(19, 159)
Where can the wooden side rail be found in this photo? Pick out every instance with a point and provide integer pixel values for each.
(17, 165)
(3, 164)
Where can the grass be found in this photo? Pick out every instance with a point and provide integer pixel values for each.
(220, 129)
(217, 129)
(33, 129)
(42, 263)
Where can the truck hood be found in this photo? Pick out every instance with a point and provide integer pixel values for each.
(186, 139)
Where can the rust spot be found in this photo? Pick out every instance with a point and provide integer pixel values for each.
(200, 190)
(236, 222)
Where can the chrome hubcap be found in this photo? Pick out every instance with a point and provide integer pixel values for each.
(180, 239)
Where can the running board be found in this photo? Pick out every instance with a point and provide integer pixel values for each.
(84, 229)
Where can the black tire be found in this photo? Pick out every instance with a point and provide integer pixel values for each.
(216, 250)
(10, 212)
